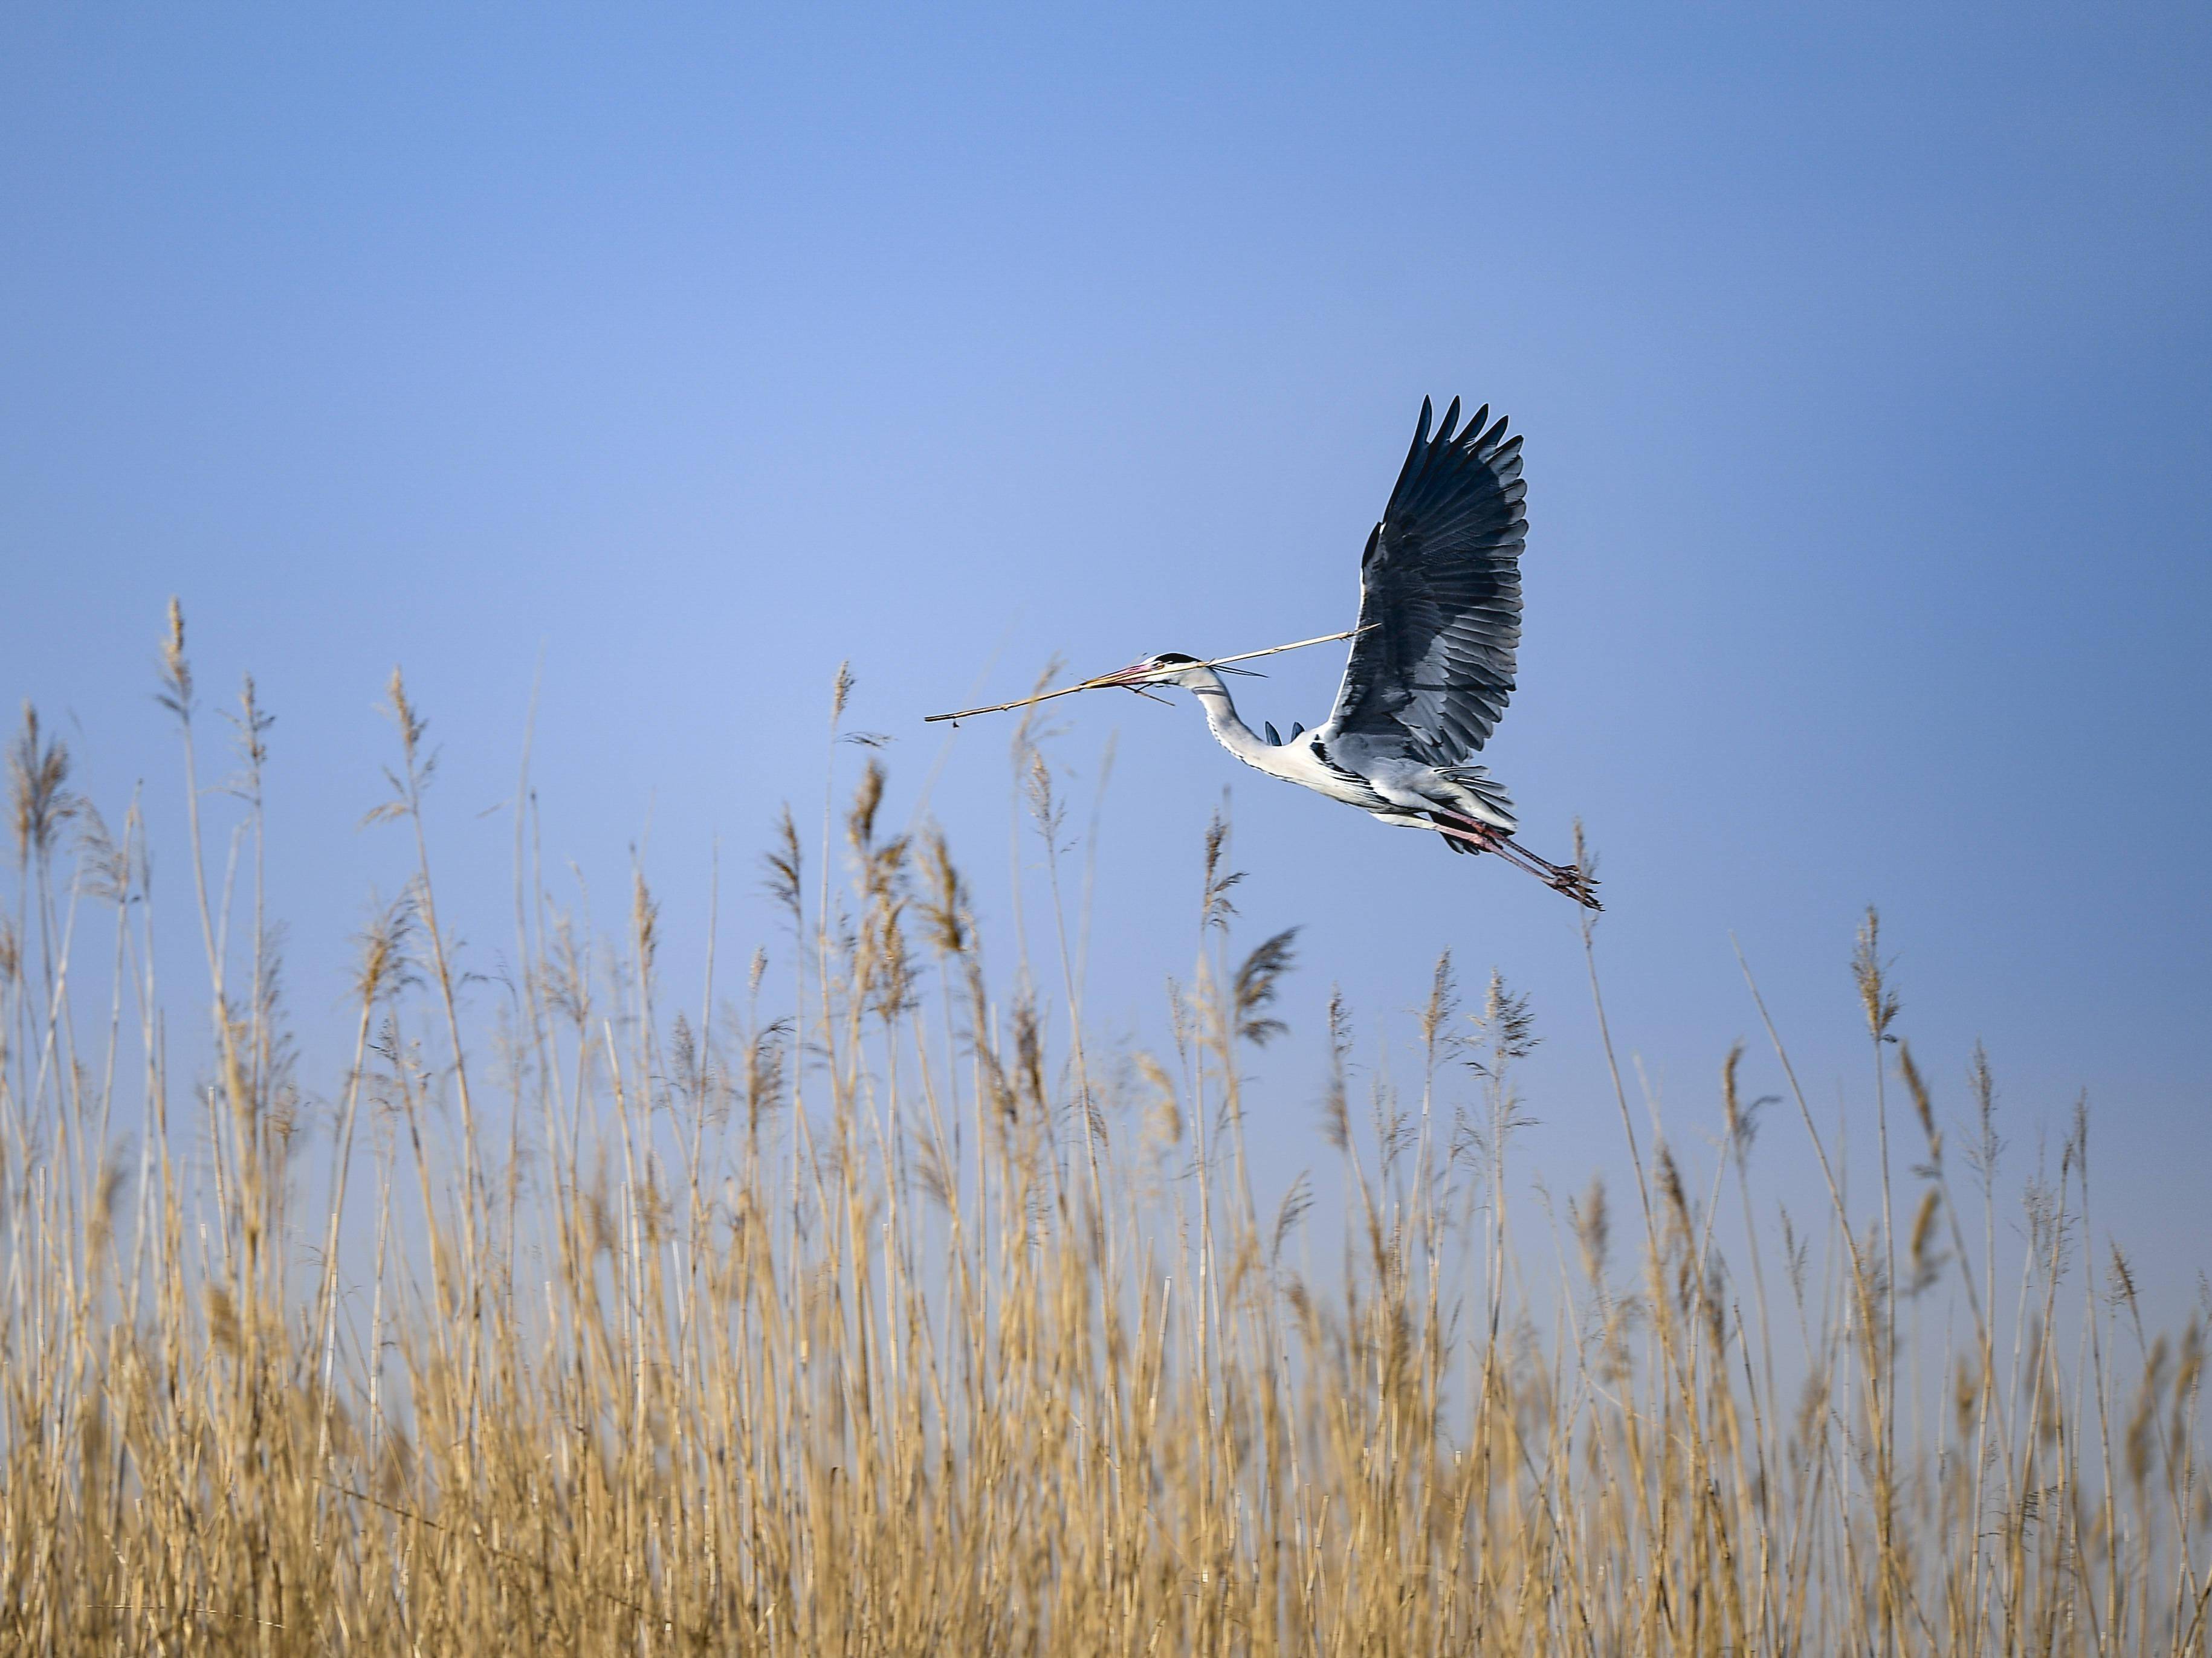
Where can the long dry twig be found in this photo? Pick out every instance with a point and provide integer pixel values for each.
(1099, 682)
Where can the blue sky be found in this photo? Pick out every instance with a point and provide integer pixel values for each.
(664, 358)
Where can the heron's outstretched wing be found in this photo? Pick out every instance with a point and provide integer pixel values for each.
(1440, 598)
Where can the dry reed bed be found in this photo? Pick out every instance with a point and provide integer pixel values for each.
(894, 1322)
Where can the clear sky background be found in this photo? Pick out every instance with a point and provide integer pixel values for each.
(676, 353)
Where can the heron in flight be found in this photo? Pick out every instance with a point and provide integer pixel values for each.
(1432, 663)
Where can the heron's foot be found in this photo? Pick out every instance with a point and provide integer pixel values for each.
(1569, 879)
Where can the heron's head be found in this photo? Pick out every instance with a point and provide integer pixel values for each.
(1168, 668)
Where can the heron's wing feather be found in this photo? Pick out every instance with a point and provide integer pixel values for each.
(1440, 598)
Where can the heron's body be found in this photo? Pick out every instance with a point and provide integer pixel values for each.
(1432, 666)
(1393, 788)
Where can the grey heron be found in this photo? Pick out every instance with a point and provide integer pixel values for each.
(1431, 662)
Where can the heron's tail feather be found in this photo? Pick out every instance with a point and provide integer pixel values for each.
(1477, 794)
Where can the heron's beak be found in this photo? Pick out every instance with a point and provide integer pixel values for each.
(1136, 674)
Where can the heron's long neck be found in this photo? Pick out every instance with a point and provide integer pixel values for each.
(1229, 731)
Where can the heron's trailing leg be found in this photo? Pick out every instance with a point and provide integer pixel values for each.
(1561, 877)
